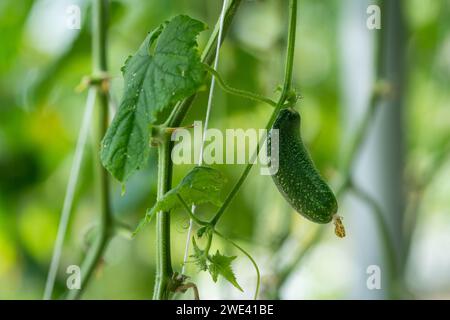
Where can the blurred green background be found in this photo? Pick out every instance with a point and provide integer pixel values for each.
(402, 164)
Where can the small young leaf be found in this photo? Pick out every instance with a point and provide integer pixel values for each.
(154, 81)
(217, 264)
(200, 185)
(199, 256)
(221, 265)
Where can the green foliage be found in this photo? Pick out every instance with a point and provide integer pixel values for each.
(199, 256)
(36, 144)
(221, 265)
(154, 81)
(13, 15)
(217, 264)
(200, 185)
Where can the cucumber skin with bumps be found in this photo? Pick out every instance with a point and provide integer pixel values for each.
(297, 178)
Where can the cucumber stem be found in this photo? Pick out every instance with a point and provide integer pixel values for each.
(284, 96)
(238, 92)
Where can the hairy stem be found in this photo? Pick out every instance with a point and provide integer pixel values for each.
(163, 261)
(164, 267)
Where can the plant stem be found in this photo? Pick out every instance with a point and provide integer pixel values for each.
(209, 51)
(163, 261)
(290, 49)
(164, 267)
(440, 159)
(208, 245)
(284, 95)
(190, 213)
(255, 265)
(181, 108)
(356, 142)
(99, 39)
(284, 274)
(386, 237)
(238, 92)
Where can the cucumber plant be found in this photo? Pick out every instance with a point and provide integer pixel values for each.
(179, 73)
(161, 78)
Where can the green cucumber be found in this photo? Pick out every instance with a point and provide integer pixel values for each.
(297, 178)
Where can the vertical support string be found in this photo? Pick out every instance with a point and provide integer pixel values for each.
(208, 113)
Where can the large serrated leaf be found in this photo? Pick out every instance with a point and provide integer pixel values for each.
(154, 81)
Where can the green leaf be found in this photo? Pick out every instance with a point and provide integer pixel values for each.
(199, 256)
(200, 185)
(221, 265)
(218, 264)
(154, 81)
